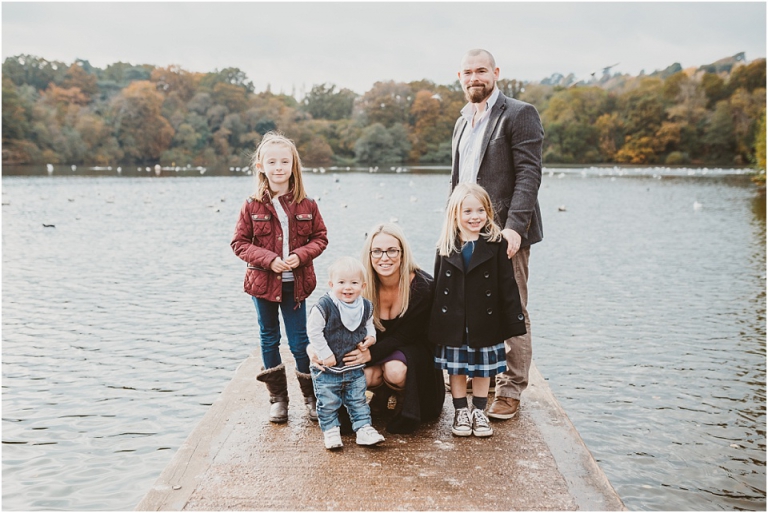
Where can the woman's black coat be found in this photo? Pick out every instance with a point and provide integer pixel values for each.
(424, 389)
(484, 300)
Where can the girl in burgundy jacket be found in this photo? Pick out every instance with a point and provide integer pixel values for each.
(278, 234)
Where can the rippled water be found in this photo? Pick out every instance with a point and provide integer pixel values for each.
(123, 322)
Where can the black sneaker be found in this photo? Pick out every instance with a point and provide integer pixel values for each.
(462, 422)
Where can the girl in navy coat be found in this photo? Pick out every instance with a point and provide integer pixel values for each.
(476, 304)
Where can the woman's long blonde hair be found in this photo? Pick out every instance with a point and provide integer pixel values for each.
(448, 243)
(407, 266)
(296, 185)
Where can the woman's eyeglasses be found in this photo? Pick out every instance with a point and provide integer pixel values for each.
(391, 253)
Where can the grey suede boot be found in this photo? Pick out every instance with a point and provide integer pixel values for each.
(308, 391)
(277, 385)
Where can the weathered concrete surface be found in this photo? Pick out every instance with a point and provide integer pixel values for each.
(235, 459)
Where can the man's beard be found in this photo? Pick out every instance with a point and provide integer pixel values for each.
(476, 95)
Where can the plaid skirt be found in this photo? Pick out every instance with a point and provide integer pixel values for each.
(482, 362)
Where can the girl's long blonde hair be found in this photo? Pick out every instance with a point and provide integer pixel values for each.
(407, 266)
(449, 241)
(296, 184)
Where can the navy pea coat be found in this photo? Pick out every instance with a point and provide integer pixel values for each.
(482, 301)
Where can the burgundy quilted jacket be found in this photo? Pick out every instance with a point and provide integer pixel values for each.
(258, 241)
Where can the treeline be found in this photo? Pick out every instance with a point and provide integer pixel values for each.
(80, 114)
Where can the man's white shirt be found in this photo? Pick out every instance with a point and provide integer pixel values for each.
(470, 144)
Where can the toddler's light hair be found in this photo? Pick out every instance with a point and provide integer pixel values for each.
(296, 183)
(346, 264)
(449, 241)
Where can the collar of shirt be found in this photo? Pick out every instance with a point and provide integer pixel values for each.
(468, 112)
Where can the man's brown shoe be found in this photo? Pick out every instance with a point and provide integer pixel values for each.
(503, 408)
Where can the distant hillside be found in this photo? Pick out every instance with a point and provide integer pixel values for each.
(76, 113)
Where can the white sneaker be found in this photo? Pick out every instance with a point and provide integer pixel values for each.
(332, 438)
(367, 435)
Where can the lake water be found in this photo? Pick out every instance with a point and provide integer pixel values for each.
(123, 323)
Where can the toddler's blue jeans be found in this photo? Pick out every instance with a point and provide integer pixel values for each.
(334, 390)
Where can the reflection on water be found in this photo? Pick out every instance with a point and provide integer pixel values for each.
(758, 207)
(123, 322)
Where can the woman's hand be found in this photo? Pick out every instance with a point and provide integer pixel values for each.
(366, 343)
(356, 357)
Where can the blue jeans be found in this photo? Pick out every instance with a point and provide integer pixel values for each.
(295, 328)
(334, 390)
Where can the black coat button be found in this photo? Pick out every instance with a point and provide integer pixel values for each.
(490, 311)
(488, 293)
(486, 274)
(444, 309)
(445, 292)
(521, 317)
(448, 273)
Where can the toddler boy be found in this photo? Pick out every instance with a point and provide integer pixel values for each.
(341, 321)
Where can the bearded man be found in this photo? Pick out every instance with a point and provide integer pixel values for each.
(497, 143)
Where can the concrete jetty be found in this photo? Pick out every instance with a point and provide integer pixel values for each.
(235, 459)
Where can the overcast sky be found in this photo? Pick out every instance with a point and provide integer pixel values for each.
(292, 46)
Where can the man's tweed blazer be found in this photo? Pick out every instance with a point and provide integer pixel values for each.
(510, 165)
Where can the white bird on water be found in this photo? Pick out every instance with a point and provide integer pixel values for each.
(50, 168)
(697, 205)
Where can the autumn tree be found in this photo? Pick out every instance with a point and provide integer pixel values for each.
(720, 138)
(714, 88)
(643, 112)
(425, 111)
(231, 76)
(746, 110)
(387, 103)
(686, 113)
(34, 71)
(173, 79)
(749, 76)
(324, 102)
(140, 128)
(15, 124)
(233, 97)
(377, 144)
(509, 87)
(759, 178)
(570, 124)
(77, 77)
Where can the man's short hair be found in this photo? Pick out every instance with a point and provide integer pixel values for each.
(479, 51)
